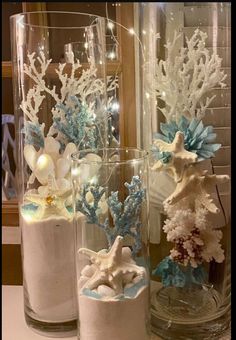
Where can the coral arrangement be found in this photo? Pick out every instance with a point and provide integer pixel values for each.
(183, 80)
(126, 216)
(76, 124)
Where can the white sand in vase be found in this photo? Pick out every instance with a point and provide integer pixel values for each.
(49, 268)
(114, 319)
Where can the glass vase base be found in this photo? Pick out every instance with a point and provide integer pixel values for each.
(189, 314)
(52, 329)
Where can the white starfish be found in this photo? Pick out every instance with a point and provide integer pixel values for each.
(111, 266)
(179, 159)
(52, 202)
(197, 183)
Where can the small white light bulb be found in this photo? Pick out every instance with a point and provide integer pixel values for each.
(115, 106)
(131, 31)
(110, 25)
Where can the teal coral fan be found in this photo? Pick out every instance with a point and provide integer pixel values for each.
(197, 138)
(173, 275)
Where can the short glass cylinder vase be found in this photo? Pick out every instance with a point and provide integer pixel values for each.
(59, 108)
(110, 193)
(186, 122)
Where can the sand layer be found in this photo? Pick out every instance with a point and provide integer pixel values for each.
(114, 320)
(49, 269)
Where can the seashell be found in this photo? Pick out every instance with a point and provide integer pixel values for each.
(88, 271)
(199, 184)
(82, 281)
(62, 167)
(127, 255)
(44, 167)
(180, 157)
(43, 190)
(30, 155)
(128, 285)
(70, 148)
(128, 278)
(137, 279)
(52, 147)
(104, 290)
(63, 184)
(111, 266)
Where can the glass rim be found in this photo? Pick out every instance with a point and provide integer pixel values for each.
(144, 155)
(94, 16)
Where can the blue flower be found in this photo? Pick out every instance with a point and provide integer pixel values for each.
(197, 138)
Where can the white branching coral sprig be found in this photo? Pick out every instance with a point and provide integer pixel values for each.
(184, 78)
(31, 106)
(84, 86)
(38, 74)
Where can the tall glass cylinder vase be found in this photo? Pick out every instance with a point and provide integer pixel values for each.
(110, 188)
(60, 108)
(185, 121)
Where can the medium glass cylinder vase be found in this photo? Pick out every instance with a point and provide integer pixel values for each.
(60, 108)
(186, 123)
(110, 193)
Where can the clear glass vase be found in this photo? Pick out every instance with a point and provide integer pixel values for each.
(186, 123)
(110, 192)
(60, 108)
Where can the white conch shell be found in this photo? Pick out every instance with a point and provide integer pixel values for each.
(112, 266)
(106, 291)
(31, 156)
(44, 167)
(52, 147)
(180, 157)
(197, 183)
(63, 185)
(70, 148)
(62, 167)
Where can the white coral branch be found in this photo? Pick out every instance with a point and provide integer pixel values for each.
(183, 79)
(31, 105)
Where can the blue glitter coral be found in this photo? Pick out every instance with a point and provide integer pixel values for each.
(197, 138)
(33, 134)
(79, 125)
(126, 216)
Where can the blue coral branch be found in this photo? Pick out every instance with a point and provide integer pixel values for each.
(126, 217)
(33, 134)
(79, 125)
